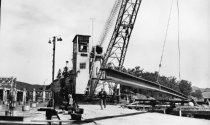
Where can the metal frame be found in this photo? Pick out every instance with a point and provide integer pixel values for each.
(117, 48)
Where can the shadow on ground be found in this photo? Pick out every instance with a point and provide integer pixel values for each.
(106, 117)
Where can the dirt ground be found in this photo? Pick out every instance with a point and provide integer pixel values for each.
(113, 115)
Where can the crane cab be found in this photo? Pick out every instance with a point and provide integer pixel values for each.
(80, 61)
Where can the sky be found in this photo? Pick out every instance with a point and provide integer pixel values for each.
(27, 26)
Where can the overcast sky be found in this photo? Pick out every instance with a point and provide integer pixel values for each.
(27, 25)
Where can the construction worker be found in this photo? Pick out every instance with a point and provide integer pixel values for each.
(70, 100)
(102, 95)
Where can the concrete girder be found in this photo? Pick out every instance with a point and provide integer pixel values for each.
(130, 80)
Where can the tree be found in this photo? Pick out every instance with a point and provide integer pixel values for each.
(59, 74)
(174, 83)
(137, 71)
(65, 73)
(197, 94)
(185, 87)
(149, 76)
(170, 82)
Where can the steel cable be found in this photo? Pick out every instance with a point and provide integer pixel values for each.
(164, 43)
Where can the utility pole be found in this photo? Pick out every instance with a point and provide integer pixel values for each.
(53, 41)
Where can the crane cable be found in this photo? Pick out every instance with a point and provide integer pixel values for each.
(164, 43)
(0, 12)
(178, 32)
(179, 50)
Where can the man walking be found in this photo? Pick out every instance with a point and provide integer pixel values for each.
(102, 95)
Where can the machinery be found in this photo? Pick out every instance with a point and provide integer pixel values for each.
(87, 74)
(117, 47)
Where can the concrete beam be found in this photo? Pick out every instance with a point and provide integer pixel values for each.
(133, 81)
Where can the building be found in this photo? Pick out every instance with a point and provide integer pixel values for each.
(81, 64)
(9, 83)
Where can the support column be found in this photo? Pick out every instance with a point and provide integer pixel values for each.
(49, 95)
(127, 99)
(43, 95)
(34, 95)
(24, 96)
(5, 95)
(180, 112)
(15, 94)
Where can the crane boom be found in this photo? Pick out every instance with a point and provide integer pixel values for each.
(117, 47)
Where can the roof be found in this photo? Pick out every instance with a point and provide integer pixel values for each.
(206, 94)
(78, 35)
(5, 83)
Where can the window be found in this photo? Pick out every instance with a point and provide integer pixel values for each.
(82, 47)
(82, 65)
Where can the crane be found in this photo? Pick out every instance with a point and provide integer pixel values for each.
(117, 47)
